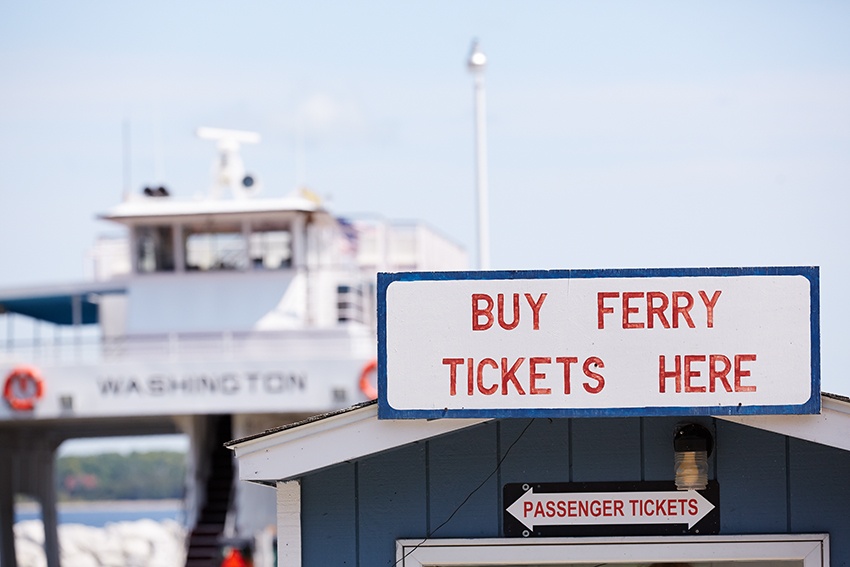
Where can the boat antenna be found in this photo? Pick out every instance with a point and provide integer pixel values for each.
(159, 158)
(300, 155)
(128, 161)
(228, 169)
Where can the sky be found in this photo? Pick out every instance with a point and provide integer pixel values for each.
(620, 134)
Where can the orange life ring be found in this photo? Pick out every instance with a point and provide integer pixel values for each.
(365, 385)
(23, 388)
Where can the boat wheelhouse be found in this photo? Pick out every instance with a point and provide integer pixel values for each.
(217, 317)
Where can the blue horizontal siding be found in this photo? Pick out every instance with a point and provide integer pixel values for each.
(450, 487)
(459, 467)
(753, 480)
(387, 483)
(820, 495)
(329, 517)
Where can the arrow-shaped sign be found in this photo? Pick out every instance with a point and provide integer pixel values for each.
(595, 508)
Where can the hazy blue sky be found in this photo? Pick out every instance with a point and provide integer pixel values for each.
(621, 134)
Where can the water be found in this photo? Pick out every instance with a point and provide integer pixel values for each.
(98, 514)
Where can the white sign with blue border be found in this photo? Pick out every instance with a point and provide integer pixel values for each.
(573, 343)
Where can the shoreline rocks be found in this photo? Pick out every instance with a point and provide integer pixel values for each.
(139, 543)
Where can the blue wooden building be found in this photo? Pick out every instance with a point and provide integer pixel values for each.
(355, 490)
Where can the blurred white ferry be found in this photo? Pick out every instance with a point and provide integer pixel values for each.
(217, 317)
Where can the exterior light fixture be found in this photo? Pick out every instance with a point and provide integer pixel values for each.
(693, 444)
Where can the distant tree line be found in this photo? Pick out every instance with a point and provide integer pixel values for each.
(113, 476)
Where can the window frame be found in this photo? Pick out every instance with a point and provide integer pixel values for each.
(811, 549)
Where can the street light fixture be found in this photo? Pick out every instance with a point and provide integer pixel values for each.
(476, 64)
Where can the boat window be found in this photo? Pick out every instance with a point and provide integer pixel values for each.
(349, 303)
(155, 249)
(215, 250)
(270, 250)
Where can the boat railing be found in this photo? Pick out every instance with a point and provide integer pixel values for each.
(49, 352)
(326, 343)
(344, 341)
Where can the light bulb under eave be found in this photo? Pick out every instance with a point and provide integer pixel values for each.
(692, 444)
(691, 468)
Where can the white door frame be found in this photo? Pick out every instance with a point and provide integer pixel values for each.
(811, 549)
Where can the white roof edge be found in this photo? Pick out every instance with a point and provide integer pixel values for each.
(322, 443)
(152, 207)
(313, 445)
(831, 427)
(116, 285)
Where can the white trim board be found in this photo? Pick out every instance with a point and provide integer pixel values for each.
(811, 550)
(322, 443)
(831, 427)
(289, 523)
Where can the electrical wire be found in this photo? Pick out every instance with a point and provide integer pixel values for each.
(470, 495)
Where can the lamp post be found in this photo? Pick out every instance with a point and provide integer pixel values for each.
(476, 63)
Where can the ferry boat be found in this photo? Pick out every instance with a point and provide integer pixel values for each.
(217, 317)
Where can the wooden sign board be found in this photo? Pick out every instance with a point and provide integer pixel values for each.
(703, 341)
